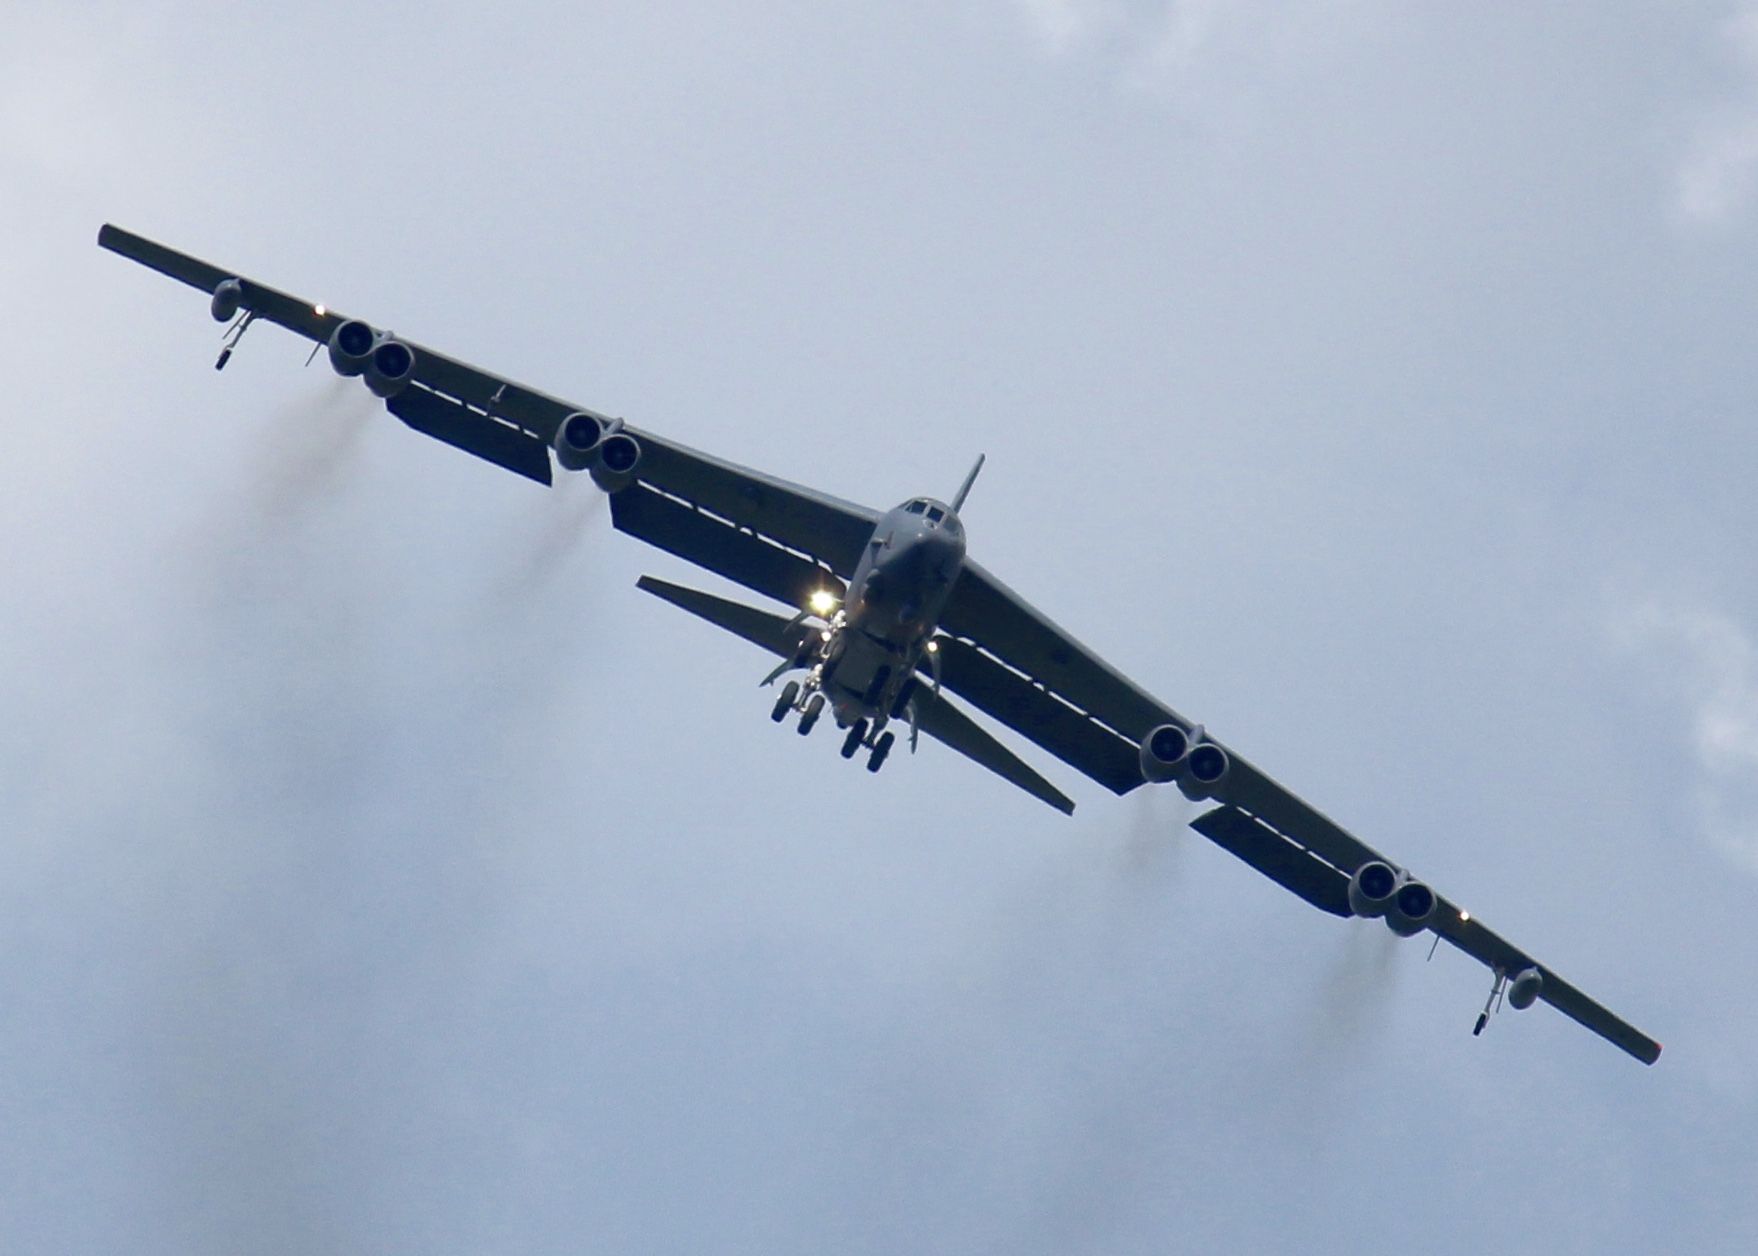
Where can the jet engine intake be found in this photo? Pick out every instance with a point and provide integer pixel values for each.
(1523, 992)
(576, 441)
(228, 296)
(351, 346)
(618, 456)
(1163, 752)
(1372, 889)
(389, 367)
(1411, 908)
(1205, 767)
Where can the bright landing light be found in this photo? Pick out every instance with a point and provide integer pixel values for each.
(318, 310)
(822, 602)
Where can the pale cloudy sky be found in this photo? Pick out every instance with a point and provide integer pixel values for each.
(379, 871)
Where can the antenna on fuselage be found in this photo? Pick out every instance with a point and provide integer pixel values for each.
(964, 489)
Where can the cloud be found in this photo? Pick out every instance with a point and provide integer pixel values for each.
(1710, 662)
(1719, 172)
(1060, 25)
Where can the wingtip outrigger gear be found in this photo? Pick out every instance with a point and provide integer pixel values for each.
(1493, 1003)
(234, 334)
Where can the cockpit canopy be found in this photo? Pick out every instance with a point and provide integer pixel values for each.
(935, 512)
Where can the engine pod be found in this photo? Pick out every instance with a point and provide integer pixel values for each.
(351, 346)
(1372, 889)
(576, 441)
(1163, 752)
(1205, 767)
(1410, 910)
(618, 456)
(389, 368)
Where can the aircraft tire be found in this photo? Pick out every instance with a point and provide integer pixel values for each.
(783, 704)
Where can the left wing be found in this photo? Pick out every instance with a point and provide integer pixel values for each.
(514, 426)
(1036, 677)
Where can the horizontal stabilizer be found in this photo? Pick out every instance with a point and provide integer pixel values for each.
(937, 716)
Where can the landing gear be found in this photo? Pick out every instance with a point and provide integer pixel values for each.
(881, 748)
(857, 733)
(814, 708)
(785, 702)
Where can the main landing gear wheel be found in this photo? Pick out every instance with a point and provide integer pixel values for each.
(814, 709)
(856, 734)
(783, 704)
(880, 750)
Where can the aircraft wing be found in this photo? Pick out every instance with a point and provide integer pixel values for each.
(1015, 663)
(743, 524)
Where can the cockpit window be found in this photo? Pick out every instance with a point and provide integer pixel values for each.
(935, 514)
(916, 508)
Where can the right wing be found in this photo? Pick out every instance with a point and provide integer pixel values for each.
(1012, 661)
(770, 535)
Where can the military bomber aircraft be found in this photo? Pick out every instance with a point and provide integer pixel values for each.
(888, 614)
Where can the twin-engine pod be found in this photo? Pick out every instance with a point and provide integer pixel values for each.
(1168, 753)
(357, 349)
(228, 296)
(1523, 992)
(1378, 889)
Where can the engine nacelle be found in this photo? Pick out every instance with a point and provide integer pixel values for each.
(228, 296)
(351, 346)
(576, 441)
(1524, 990)
(618, 456)
(389, 368)
(1205, 767)
(1411, 908)
(1372, 888)
(1163, 752)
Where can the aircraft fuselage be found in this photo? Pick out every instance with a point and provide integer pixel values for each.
(894, 601)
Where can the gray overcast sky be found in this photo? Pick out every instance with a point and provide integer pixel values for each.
(379, 871)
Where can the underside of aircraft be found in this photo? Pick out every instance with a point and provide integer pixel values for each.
(887, 617)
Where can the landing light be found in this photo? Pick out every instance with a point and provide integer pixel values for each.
(933, 647)
(1464, 916)
(319, 310)
(822, 602)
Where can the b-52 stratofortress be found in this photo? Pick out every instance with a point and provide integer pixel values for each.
(888, 614)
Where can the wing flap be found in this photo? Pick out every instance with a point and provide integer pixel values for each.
(1277, 858)
(945, 722)
(701, 539)
(472, 431)
(1080, 742)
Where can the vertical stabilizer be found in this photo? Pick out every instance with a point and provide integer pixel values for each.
(964, 490)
